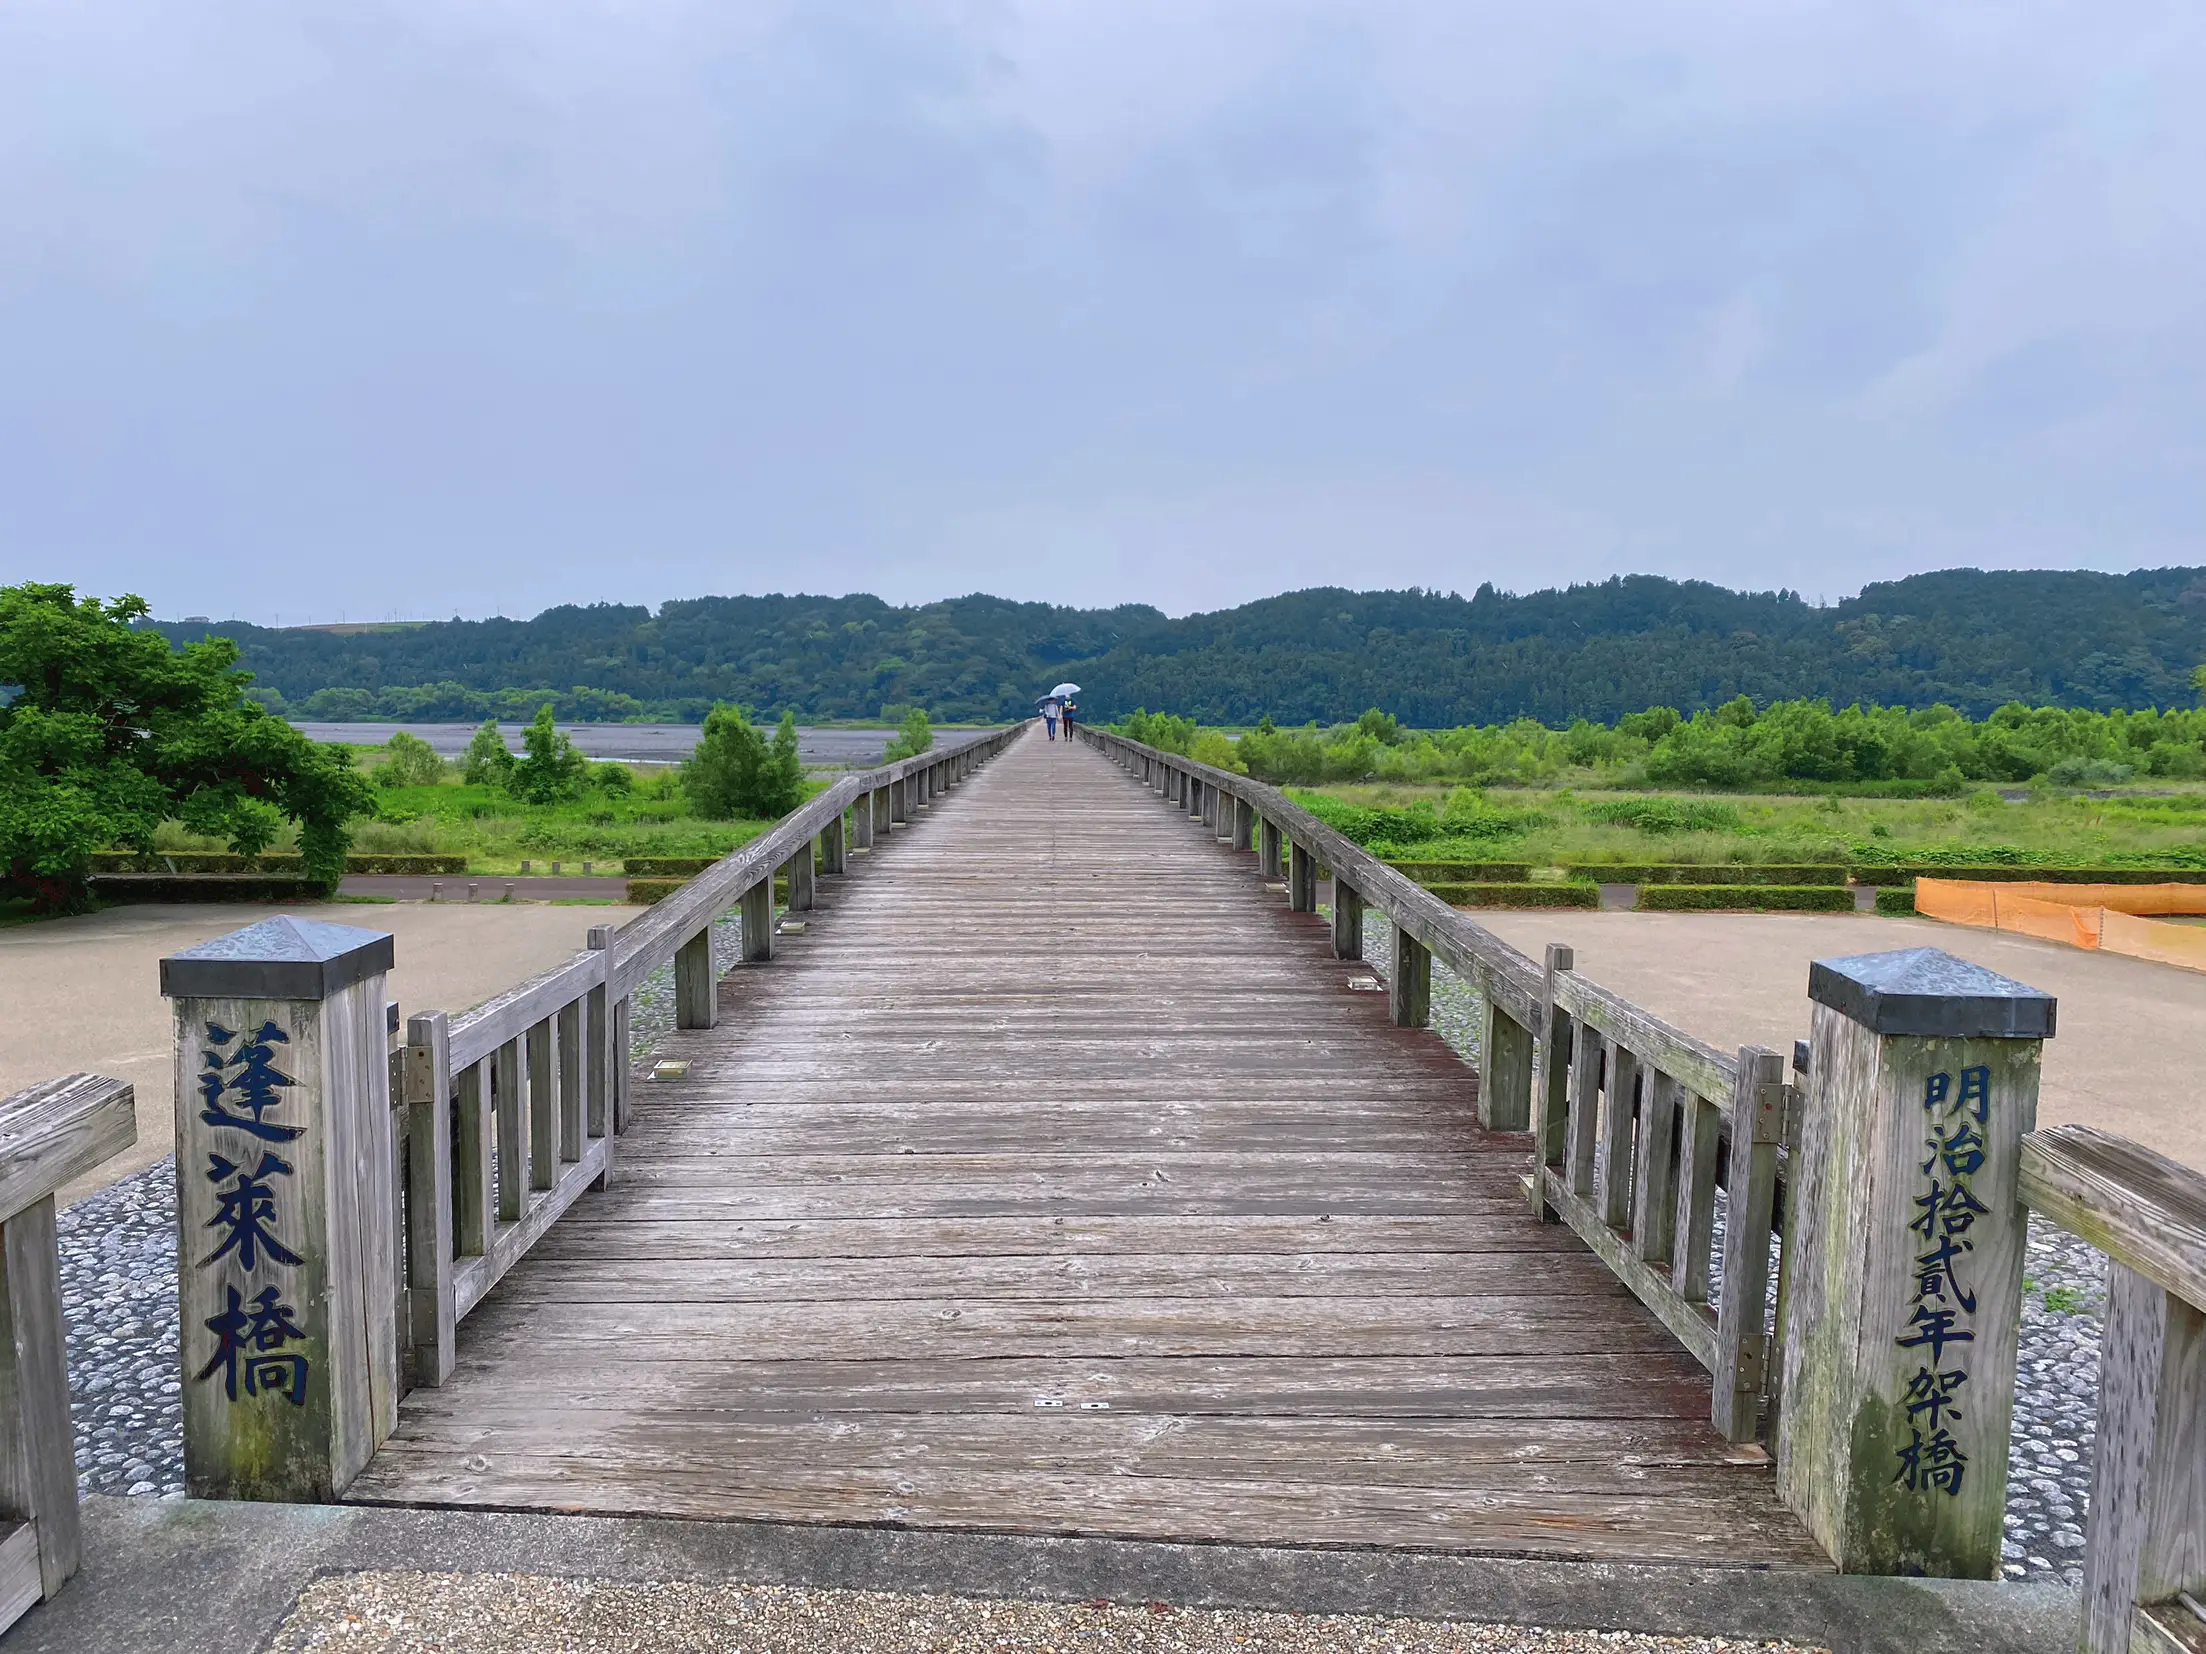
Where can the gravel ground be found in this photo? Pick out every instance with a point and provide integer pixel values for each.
(413, 1613)
(118, 1282)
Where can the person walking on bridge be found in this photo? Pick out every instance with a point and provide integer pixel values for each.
(1049, 718)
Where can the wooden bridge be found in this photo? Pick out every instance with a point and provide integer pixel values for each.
(1059, 1178)
(1054, 1165)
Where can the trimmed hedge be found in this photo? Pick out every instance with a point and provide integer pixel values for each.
(643, 892)
(1517, 895)
(676, 868)
(206, 887)
(1464, 872)
(1908, 872)
(1896, 898)
(224, 861)
(1746, 898)
(1726, 873)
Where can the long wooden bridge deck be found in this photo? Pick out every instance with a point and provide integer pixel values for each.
(1057, 1180)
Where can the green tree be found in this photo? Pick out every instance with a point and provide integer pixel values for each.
(913, 737)
(550, 770)
(735, 773)
(106, 732)
(488, 762)
(413, 762)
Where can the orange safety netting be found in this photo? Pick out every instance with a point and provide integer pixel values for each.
(2106, 917)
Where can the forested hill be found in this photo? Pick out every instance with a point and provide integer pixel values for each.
(1963, 636)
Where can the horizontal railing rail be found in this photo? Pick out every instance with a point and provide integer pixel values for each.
(48, 1135)
(1636, 1124)
(506, 1113)
(2144, 1569)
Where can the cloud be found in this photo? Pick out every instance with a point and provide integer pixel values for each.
(410, 306)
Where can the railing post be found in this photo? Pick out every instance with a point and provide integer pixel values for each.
(1505, 1072)
(900, 799)
(861, 822)
(1268, 854)
(800, 879)
(607, 1034)
(696, 987)
(834, 857)
(1347, 920)
(2148, 1467)
(426, 1063)
(1244, 823)
(1550, 1082)
(38, 1463)
(1906, 1234)
(758, 921)
(1301, 879)
(1750, 1192)
(1409, 984)
(285, 1209)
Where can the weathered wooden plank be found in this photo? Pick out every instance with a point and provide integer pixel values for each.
(38, 1471)
(2138, 1207)
(477, 1033)
(476, 1276)
(1684, 1528)
(51, 1133)
(20, 1585)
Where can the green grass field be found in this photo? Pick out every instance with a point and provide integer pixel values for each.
(2162, 827)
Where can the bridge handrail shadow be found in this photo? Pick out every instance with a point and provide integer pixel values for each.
(48, 1135)
(506, 1113)
(1634, 1126)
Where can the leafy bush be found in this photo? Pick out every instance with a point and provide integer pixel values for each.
(2088, 772)
(1666, 815)
(1896, 899)
(1746, 898)
(1160, 730)
(488, 762)
(913, 737)
(736, 773)
(106, 733)
(412, 762)
(550, 769)
(1518, 895)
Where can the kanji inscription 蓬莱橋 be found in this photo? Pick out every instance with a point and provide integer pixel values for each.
(240, 1086)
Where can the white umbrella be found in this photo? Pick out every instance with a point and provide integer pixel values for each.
(1064, 689)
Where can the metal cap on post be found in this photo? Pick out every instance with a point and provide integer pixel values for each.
(1904, 1240)
(285, 1209)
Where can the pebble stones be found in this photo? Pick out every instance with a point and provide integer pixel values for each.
(118, 1296)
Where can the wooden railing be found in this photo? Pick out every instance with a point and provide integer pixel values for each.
(506, 1113)
(48, 1135)
(1637, 1124)
(2145, 1548)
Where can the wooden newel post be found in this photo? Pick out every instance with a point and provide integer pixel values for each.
(1268, 838)
(1409, 984)
(834, 851)
(1505, 1076)
(696, 984)
(1301, 879)
(1904, 1239)
(758, 921)
(285, 1210)
(800, 879)
(1347, 920)
(1244, 823)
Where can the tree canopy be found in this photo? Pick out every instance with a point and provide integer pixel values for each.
(106, 732)
(1973, 639)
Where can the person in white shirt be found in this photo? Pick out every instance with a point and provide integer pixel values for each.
(1049, 718)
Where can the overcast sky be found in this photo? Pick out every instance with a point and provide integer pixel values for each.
(418, 307)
